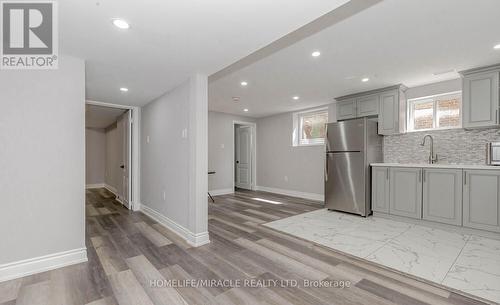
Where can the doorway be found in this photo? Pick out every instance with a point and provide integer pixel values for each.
(244, 155)
(112, 150)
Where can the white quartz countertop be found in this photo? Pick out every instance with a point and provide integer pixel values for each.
(438, 165)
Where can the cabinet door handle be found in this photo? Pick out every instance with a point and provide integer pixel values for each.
(387, 174)
(420, 176)
(496, 116)
(423, 174)
(465, 178)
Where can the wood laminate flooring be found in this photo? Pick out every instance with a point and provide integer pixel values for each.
(132, 258)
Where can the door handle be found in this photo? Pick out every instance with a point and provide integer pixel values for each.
(237, 162)
(122, 166)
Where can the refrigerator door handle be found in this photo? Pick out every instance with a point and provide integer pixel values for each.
(326, 167)
(342, 151)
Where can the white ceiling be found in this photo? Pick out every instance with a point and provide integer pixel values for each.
(170, 40)
(101, 117)
(395, 41)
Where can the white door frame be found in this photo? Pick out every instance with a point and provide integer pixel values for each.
(253, 127)
(134, 190)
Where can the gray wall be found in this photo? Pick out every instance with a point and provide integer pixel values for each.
(220, 149)
(434, 88)
(42, 161)
(277, 158)
(164, 159)
(95, 155)
(174, 161)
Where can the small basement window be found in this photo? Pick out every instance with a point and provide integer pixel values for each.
(310, 127)
(441, 111)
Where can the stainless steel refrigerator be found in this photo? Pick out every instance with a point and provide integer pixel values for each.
(350, 148)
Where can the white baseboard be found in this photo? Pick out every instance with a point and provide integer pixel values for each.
(117, 197)
(102, 185)
(309, 196)
(95, 186)
(136, 206)
(221, 192)
(44, 263)
(119, 200)
(111, 189)
(191, 238)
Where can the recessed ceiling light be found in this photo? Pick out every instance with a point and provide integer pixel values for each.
(121, 24)
(364, 80)
(316, 54)
(244, 84)
(246, 110)
(296, 98)
(123, 89)
(497, 47)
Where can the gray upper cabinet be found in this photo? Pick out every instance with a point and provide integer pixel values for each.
(481, 199)
(380, 189)
(367, 105)
(405, 192)
(388, 122)
(386, 103)
(480, 98)
(442, 195)
(346, 109)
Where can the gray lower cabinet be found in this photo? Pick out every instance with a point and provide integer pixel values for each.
(442, 195)
(481, 199)
(380, 189)
(346, 109)
(405, 192)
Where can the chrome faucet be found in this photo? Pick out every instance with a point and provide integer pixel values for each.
(432, 158)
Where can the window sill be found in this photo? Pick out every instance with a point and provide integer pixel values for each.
(433, 129)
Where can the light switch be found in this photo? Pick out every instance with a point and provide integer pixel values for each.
(184, 133)
(147, 139)
(222, 146)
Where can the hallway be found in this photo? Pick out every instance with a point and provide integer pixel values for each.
(127, 251)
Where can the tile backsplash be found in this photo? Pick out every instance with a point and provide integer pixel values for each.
(453, 146)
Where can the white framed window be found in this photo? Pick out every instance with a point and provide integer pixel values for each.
(309, 127)
(442, 111)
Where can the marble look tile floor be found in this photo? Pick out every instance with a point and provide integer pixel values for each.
(461, 261)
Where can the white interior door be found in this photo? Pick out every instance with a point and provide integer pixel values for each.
(244, 157)
(124, 158)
